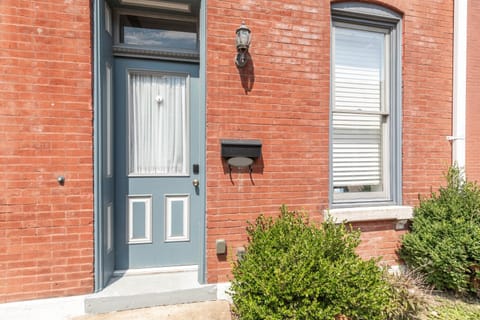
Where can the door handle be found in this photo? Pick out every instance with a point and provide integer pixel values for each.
(195, 182)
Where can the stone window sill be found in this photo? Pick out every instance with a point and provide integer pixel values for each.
(364, 214)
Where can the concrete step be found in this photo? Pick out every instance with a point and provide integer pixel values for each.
(144, 288)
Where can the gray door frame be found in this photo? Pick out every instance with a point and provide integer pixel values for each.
(102, 52)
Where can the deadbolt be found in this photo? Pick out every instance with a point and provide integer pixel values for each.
(195, 182)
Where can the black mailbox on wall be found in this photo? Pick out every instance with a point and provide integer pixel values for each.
(241, 153)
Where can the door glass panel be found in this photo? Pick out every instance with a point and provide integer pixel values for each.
(157, 131)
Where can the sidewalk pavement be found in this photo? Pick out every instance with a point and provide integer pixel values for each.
(209, 310)
(73, 308)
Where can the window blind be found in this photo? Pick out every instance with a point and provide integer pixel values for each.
(358, 111)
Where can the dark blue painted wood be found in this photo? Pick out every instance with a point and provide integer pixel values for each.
(104, 183)
(159, 253)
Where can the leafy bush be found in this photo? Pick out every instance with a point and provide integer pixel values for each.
(444, 243)
(293, 269)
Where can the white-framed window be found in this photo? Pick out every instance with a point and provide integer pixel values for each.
(365, 117)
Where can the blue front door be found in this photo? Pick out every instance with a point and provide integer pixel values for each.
(158, 178)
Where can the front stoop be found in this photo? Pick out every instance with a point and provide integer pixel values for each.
(132, 290)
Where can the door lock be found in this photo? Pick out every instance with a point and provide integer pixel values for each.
(195, 183)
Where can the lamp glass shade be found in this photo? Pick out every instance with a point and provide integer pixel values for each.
(243, 37)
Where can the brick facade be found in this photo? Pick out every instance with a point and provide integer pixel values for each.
(472, 138)
(427, 95)
(46, 229)
(283, 100)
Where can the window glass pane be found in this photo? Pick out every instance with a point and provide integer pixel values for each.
(158, 33)
(358, 127)
(158, 132)
(357, 153)
(359, 69)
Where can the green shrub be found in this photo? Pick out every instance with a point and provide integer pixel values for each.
(293, 269)
(444, 243)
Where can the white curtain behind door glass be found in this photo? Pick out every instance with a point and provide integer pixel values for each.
(158, 131)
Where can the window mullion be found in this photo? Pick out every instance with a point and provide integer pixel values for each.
(378, 113)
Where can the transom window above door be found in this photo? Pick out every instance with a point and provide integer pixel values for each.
(156, 35)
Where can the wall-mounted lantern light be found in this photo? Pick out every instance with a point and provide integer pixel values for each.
(241, 153)
(242, 40)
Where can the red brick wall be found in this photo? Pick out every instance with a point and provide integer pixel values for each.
(286, 107)
(473, 93)
(427, 95)
(379, 239)
(283, 100)
(46, 230)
